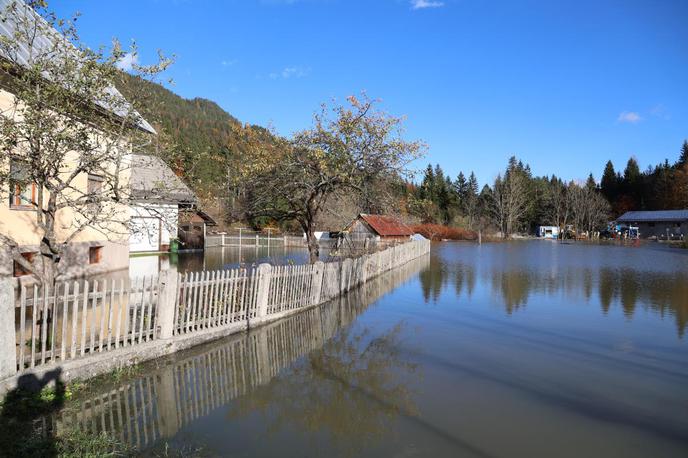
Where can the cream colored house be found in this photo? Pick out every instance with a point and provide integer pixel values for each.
(94, 248)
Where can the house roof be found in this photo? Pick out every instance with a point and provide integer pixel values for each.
(386, 226)
(206, 218)
(658, 215)
(45, 42)
(153, 181)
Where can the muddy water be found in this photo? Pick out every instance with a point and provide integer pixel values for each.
(502, 350)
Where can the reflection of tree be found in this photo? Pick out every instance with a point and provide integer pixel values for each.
(664, 293)
(465, 277)
(514, 286)
(432, 279)
(629, 291)
(351, 389)
(606, 289)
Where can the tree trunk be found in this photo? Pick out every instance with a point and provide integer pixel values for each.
(313, 245)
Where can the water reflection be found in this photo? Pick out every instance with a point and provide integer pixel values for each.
(347, 378)
(610, 276)
(350, 388)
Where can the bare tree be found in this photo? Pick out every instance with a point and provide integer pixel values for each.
(66, 133)
(510, 199)
(589, 209)
(347, 149)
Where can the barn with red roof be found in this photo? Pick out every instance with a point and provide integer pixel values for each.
(383, 228)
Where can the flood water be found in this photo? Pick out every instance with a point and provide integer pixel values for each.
(516, 349)
(217, 258)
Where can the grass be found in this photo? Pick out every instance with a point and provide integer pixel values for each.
(24, 433)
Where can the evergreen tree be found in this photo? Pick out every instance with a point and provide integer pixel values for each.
(683, 158)
(473, 184)
(427, 187)
(609, 183)
(590, 183)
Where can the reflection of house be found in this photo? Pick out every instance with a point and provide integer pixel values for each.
(158, 195)
(661, 224)
(378, 228)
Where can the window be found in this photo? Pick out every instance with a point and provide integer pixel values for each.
(95, 184)
(95, 254)
(22, 192)
(19, 270)
(93, 188)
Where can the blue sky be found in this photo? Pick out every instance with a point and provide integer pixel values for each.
(564, 85)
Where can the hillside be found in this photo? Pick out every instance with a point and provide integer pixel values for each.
(197, 138)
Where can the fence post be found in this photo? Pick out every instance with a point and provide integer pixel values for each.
(317, 281)
(167, 302)
(8, 338)
(345, 277)
(223, 239)
(264, 273)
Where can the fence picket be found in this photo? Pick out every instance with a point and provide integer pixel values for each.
(152, 311)
(84, 314)
(43, 321)
(65, 319)
(92, 323)
(22, 326)
(135, 308)
(75, 319)
(111, 314)
(120, 308)
(103, 305)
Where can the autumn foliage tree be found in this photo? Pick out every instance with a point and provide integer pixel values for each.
(349, 147)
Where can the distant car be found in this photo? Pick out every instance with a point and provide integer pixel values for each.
(606, 234)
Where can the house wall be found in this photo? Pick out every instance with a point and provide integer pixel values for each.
(153, 226)
(661, 229)
(20, 225)
(359, 230)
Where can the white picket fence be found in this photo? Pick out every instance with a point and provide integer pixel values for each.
(81, 319)
(248, 238)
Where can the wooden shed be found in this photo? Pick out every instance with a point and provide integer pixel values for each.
(379, 228)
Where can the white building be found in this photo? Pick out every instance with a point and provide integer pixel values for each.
(158, 196)
(548, 232)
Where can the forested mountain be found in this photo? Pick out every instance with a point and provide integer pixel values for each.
(196, 137)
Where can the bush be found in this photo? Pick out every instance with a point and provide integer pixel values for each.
(440, 232)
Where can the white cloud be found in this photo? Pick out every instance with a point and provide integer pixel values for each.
(229, 62)
(629, 116)
(127, 62)
(290, 72)
(423, 4)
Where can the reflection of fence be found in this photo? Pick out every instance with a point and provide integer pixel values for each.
(151, 319)
(248, 238)
(166, 398)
